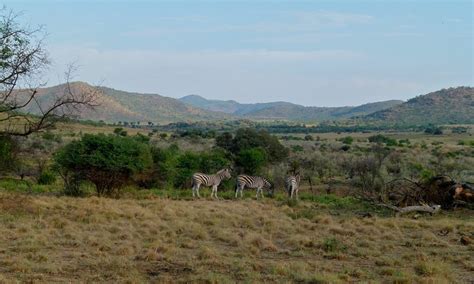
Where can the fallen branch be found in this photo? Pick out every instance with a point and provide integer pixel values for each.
(420, 208)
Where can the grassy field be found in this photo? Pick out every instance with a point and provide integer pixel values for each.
(326, 240)
(160, 234)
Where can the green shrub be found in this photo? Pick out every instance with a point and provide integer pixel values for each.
(379, 138)
(120, 131)
(251, 160)
(347, 140)
(333, 245)
(107, 161)
(248, 138)
(174, 168)
(308, 138)
(434, 130)
(297, 148)
(8, 151)
(46, 178)
(48, 136)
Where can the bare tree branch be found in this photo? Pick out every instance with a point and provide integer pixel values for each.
(23, 60)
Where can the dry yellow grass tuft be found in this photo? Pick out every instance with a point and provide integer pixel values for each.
(48, 239)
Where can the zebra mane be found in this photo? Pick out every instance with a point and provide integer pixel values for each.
(221, 172)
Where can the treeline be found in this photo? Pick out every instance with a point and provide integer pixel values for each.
(111, 161)
(203, 129)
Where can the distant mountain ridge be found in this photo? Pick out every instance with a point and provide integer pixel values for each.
(285, 110)
(446, 106)
(230, 106)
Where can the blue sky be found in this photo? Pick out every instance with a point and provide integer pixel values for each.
(320, 53)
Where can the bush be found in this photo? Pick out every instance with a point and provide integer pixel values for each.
(252, 160)
(174, 168)
(46, 178)
(248, 138)
(308, 138)
(107, 161)
(8, 151)
(120, 131)
(347, 140)
(297, 148)
(379, 138)
(434, 130)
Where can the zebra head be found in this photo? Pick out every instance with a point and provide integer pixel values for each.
(224, 173)
(269, 186)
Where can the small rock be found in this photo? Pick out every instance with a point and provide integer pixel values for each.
(465, 240)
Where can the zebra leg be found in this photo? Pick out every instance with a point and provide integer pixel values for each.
(297, 189)
(197, 191)
(194, 190)
(214, 192)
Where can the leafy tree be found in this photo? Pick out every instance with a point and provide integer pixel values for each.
(120, 131)
(252, 160)
(225, 141)
(107, 161)
(248, 138)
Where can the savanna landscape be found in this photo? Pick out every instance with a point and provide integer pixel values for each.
(99, 184)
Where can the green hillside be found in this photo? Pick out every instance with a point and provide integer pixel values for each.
(446, 106)
(118, 105)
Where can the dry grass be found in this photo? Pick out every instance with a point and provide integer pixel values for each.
(51, 239)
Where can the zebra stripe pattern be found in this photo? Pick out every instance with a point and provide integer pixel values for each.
(292, 185)
(209, 180)
(251, 182)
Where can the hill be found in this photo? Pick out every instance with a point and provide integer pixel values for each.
(230, 106)
(285, 110)
(446, 106)
(116, 105)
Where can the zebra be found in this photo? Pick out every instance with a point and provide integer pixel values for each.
(292, 185)
(209, 180)
(251, 182)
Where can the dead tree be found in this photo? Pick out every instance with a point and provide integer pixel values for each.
(23, 61)
(432, 209)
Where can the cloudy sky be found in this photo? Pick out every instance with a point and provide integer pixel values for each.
(319, 53)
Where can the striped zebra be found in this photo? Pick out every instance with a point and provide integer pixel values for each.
(292, 184)
(209, 180)
(251, 182)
